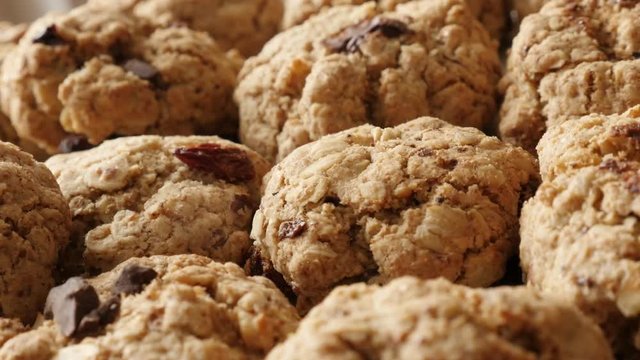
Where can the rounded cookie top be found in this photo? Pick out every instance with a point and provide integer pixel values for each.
(425, 198)
(579, 243)
(587, 141)
(100, 74)
(35, 222)
(177, 307)
(148, 195)
(417, 319)
(490, 13)
(353, 65)
(245, 25)
(572, 58)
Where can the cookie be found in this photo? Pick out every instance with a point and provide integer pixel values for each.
(353, 65)
(492, 13)
(10, 328)
(101, 74)
(245, 25)
(579, 244)
(522, 8)
(587, 141)
(149, 195)
(571, 59)
(416, 319)
(10, 34)
(370, 204)
(35, 222)
(182, 307)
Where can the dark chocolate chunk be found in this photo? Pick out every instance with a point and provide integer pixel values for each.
(349, 39)
(141, 69)
(74, 142)
(292, 228)
(133, 279)
(49, 36)
(69, 303)
(105, 314)
(228, 164)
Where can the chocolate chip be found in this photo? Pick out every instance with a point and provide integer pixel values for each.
(141, 69)
(133, 279)
(292, 228)
(240, 202)
(49, 36)
(257, 266)
(69, 303)
(74, 142)
(228, 164)
(105, 314)
(349, 39)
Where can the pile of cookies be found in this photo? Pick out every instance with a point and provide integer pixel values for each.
(336, 179)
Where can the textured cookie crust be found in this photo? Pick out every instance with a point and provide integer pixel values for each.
(573, 58)
(9, 328)
(194, 309)
(579, 243)
(98, 74)
(587, 141)
(491, 13)
(353, 65)
(370, 204)
(245, 25)
(35, 223)
(522, 8)
(417, 319)
(133, 197)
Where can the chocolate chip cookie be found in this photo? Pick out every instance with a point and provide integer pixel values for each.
(35, 222)
(100, 74)
(353, 65)
(416, 319)
(491, 13)
(177, 307)
(148, 195)
(244, 25)
(572, 58)
(588, 140)
(369, 204)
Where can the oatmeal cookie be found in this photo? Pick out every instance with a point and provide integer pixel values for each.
(177, 307)
(580, 244)
(35, 222)
(521, 8)
(571, 59)
(588, 140)
(148, 195)
(417, 319)
(353, 65)
(100, 74)
(245, 25)
(368, 204)
(491, 13)
(9, 328)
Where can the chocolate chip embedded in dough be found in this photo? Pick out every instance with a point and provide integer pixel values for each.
(133, 279)
(69, 303)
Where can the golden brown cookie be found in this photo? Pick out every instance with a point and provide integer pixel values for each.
(177, 307)
(35, 223)
(416, 319)
(148, 195)
(571, 59)
(101, 74)
(369, 204)
(353, 65)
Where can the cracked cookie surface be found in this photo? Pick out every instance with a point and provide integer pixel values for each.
(353, 65)
(35, 223)
(572, 58)
(100, 74)
(490, 13)
(579, 243)
(416, 319)
(245, 25)
(135, 196)
(369, 204)
(194, 308)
